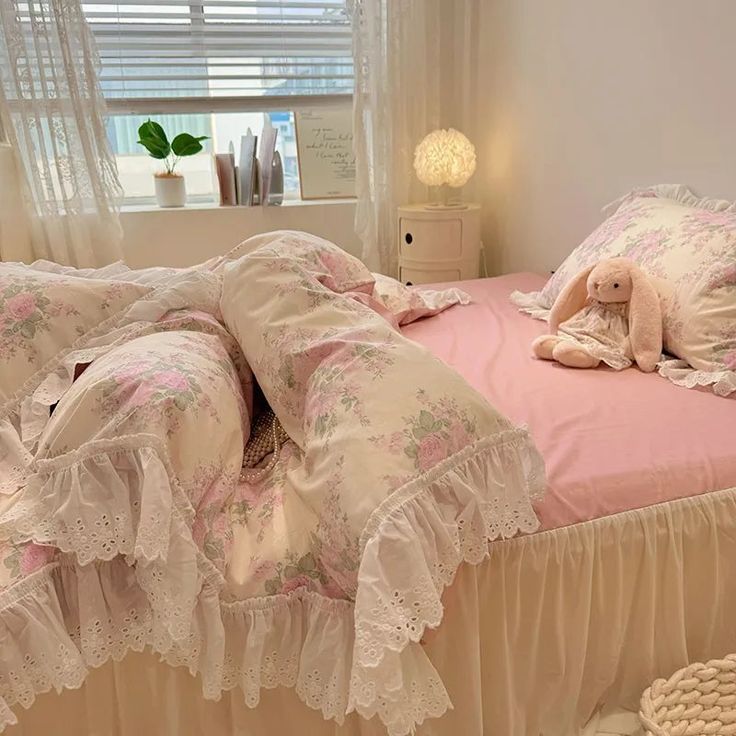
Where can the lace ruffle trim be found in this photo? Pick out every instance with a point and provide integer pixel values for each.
(339, 656)
(432, 525)
(681, 374)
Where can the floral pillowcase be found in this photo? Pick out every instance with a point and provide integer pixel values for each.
(688, 246)
(43, 314)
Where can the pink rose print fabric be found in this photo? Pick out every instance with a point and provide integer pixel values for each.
(43, 314)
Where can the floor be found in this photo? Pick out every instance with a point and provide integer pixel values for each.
(613, 723)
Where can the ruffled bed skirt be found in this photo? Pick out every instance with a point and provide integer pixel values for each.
(532, 642)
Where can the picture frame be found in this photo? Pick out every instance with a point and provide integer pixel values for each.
(325, 156)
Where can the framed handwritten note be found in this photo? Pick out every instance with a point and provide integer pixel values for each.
(324, 141)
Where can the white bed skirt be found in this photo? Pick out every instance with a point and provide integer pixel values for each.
(534, 640)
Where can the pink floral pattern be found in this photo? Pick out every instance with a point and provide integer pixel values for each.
(43, 314)
(27, 310)
(437, 431)
(700, 227)
(19, 561)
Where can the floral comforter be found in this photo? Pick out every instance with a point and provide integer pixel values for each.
(125, 522)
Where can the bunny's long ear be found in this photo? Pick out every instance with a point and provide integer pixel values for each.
(645, 321)
(570, 300)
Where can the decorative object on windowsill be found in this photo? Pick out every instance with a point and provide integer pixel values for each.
(266, 151)
(276, 191)
(248, 169)
(324, 141)
(443, 159)
(225, 168)
(170, 188)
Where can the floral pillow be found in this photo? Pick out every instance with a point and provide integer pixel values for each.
(410, 304)
(43, 314)
(688, 246)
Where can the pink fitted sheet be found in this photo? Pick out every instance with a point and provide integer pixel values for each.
(611, 441)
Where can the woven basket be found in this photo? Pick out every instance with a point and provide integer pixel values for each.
(698, 700)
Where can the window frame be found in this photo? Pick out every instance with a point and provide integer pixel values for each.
(236, 103)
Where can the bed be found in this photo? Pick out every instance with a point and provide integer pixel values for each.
(627, 578)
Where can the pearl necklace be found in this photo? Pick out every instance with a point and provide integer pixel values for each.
(268, 436)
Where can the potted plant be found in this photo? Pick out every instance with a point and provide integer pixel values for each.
(170, 189)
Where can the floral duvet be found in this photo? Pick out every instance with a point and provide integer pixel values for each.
(125, 521)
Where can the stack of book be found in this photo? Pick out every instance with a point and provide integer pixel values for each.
(243, 183)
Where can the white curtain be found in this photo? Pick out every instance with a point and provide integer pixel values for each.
(52, 114)
(415, 65)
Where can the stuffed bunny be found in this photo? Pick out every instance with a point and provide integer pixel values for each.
(609, 312)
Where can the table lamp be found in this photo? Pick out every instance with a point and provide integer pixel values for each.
(445, 158)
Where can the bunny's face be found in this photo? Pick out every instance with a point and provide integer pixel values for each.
(610, 283)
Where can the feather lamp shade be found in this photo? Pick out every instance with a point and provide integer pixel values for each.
(444, 158)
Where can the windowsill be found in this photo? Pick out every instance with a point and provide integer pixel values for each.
(199, 206)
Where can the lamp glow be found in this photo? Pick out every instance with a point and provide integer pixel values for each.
(444, 158)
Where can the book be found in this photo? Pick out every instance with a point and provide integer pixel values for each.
(265, 159)
(247, 170)
(225, 168)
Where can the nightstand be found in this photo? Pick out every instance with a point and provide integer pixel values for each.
(438, 244)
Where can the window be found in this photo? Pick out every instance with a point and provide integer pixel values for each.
(215, 68)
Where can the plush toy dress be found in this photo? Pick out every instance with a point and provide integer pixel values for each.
(603, 331)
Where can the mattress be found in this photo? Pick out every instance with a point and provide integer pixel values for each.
(612, 441)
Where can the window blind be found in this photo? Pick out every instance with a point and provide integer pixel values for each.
(222, 48)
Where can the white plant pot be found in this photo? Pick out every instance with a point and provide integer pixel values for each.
(170, 191)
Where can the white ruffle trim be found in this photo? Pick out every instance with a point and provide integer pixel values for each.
(154, 588)
(413, 545)
(531, 303)
(681, 374)
(115, 498)
(677, 192)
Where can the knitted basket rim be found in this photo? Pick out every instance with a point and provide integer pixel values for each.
(696, 700)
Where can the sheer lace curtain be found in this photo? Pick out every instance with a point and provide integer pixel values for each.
(416, 65)
(52, 114)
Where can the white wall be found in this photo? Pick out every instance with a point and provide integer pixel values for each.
(580, 100)
(183, 237)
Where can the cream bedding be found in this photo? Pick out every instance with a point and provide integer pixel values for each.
(123, 501)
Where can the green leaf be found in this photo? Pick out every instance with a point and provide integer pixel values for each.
(214, 549)
(291, 571)
(307, 562)
(419, 432)
(426, 420)
(153, 139)
(181, 402)
(272, 586)
(411, 451)
(187, 145)
(27, 330)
